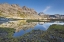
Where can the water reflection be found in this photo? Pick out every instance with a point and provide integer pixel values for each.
(34, 26)
(19, 25)
(23, 27)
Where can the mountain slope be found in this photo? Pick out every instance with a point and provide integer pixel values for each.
(15, 11)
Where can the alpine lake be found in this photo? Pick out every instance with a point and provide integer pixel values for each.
(33, 31)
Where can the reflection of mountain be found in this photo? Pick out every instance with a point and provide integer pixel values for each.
(4, 20)
(18, 25)
(26, 26)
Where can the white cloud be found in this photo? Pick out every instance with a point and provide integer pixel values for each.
(47, 8)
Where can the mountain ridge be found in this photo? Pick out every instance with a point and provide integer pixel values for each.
(14, 10)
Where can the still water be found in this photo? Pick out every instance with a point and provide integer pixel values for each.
(29, 26)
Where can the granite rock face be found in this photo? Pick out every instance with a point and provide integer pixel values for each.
(14, 10)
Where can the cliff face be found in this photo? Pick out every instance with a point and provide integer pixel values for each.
(15, 11)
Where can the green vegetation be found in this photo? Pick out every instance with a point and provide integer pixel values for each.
(7, 31)
(21, 14)
(32, 20)
(36, 20)
(57, 27)
(1, 14)
(6, 35)
(56, 19)
(55, 33)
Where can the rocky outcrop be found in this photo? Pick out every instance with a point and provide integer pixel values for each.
(15, 10)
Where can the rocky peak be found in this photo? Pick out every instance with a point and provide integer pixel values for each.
(15, 5)
(25, 8)
(17, 11)
(41, 13)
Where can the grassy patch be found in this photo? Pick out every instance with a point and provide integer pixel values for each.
(55, 33)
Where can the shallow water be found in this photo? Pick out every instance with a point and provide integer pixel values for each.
(35, 26)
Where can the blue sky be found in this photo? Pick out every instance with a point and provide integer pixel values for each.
(46, 6)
